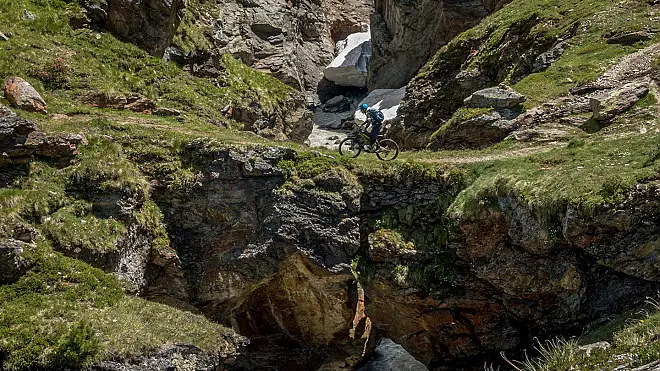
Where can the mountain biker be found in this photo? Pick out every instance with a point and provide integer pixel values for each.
(375, 118)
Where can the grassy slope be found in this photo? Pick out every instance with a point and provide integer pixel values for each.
(63, 313)
(66, 63)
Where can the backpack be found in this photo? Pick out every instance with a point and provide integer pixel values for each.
(377, 115)
(380, 116)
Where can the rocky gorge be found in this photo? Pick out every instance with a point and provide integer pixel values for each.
(158, 210)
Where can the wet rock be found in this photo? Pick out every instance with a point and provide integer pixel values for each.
(21, 94)
(496, 97)
(390, 356)
(629, 38)
(337, 104)
(349, 68)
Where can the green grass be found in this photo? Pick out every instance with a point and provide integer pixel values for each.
(587, 54)
(634, 344)
(582, 174)
(64, 313)
(65, 64)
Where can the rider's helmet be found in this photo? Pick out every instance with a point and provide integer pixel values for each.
(364, 107)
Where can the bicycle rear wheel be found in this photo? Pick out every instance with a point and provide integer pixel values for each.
(350, 147)
(388, 151)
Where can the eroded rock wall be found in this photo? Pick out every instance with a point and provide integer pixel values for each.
(405, 34)
(277, 259)
(292, 41)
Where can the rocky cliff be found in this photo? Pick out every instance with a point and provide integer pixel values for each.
(293, 41)
(405, 34)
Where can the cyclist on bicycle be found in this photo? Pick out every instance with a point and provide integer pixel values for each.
(375, 118)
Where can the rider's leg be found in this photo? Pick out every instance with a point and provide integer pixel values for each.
(374, 133)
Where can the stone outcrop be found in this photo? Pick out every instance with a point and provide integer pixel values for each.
(148, 24)
(496, 97)
(292, 122)
(293, 41)
(21, 94)
(20, 140)
(405, 34)
(12, 267)
(350, 66)
(481, 131)
(467, 130)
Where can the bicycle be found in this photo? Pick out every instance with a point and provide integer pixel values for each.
(358, 140)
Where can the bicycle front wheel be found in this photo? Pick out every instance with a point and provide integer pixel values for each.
(388, 151)
(350, 147)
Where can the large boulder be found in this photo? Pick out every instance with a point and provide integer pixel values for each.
(480, 131)
(350, 66)
(495, 97)
(21, 94)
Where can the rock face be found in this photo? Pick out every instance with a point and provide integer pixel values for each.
(271, 258)
(20, 140)
(456, 72)
(148, 24)
(350, 66)
(405, 34)
(21, 94)
(293, 41)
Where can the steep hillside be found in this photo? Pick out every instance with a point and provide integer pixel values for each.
(130, 240)
(58, 49)
(541, 49)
